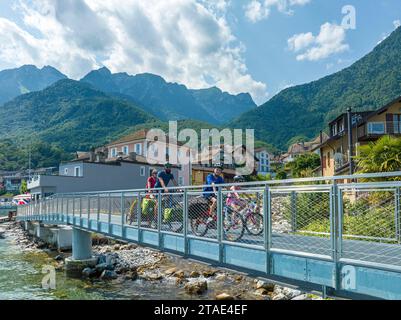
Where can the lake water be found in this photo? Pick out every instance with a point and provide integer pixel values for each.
(21, 278)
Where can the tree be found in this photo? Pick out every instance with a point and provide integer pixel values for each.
(303, 165)
(384, 155)
(24, 187)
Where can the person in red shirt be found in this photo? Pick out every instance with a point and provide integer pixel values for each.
(150, 184)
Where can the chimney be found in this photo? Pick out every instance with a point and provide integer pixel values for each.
(91, 156)
(132, 156)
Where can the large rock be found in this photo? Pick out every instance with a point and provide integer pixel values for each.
(108, 275)
(260, 284)
(224, 296)
(89, 273)
(104, 266)
(170, 271)
(196, 287)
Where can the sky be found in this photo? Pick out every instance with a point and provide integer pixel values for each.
(255, 46)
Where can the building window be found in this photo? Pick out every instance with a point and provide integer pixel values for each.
(341, 126)
(77, 171)
(138, 149)
(376, 128)
(113, 153)
(397, 123)
(126, 150)
(143, 171)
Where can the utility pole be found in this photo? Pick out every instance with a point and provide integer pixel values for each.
(350, 141)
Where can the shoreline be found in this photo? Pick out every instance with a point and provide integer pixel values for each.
(119, 262)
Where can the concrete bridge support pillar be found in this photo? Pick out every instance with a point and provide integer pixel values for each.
(81, 253)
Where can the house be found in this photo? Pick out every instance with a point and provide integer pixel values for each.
(264, 161)
(153, 151)
(94, 173)
(216, 154)
(338, 151)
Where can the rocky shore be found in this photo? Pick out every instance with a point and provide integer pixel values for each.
(119, 262)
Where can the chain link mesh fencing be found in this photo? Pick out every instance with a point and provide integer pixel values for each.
(300, 221)
(370, 225)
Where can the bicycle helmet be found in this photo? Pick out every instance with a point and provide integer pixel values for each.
(239, 179)
(218, 166)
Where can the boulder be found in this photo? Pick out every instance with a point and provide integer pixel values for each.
(196, 287)
(261, 292)
(108, 275)
(265, 285)
(104, 266)
(88, 273)
(170, 271)
(224, 296)
(279, 296)
(59, 258)
(221, 277)
(194, 274)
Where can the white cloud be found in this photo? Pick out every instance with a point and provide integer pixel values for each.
(329, 41)
(185, 41)
(257, 10)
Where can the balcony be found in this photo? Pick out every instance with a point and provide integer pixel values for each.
(373, 130)
(341, 162)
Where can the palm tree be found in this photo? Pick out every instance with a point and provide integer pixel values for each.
(384, 155)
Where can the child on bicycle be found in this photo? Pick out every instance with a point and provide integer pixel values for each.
(234, 200)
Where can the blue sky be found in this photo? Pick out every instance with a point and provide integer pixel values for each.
(256, 46)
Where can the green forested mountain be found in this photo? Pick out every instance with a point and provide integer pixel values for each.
(171, 101)
(69, 114)
(14, 82)
(369, 83)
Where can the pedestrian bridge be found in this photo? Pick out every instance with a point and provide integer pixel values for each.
(339, 235)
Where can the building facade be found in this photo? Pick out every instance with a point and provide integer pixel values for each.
(365, 128)
(155, 152)
(84, 175)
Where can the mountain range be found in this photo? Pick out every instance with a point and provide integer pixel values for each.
(44, 105)
(171, 101)
(28, 78)
(164, 100)
(306, 109)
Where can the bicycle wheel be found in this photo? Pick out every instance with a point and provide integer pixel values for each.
(199, 226)
(254, 224)
(233, 226)
(130, 216)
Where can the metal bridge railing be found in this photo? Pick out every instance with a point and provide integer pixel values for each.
(352, 217)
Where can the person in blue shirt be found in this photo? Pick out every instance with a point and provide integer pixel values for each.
(164, 177)
(210, 192)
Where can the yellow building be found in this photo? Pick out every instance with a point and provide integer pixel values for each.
(366, 127)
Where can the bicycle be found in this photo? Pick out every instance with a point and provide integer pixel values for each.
(202, 221)
(171, 222)
(253, 219)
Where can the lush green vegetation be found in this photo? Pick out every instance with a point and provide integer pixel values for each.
(383, 155)
(361, 218)
(14, 156)
(69, 114)
(368, 84)
(303, 165)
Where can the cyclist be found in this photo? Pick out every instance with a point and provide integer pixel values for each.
(164, 177)
(210, 191)
(150, 184)
(233, 198)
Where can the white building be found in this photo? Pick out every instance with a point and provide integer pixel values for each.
(264, 161)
